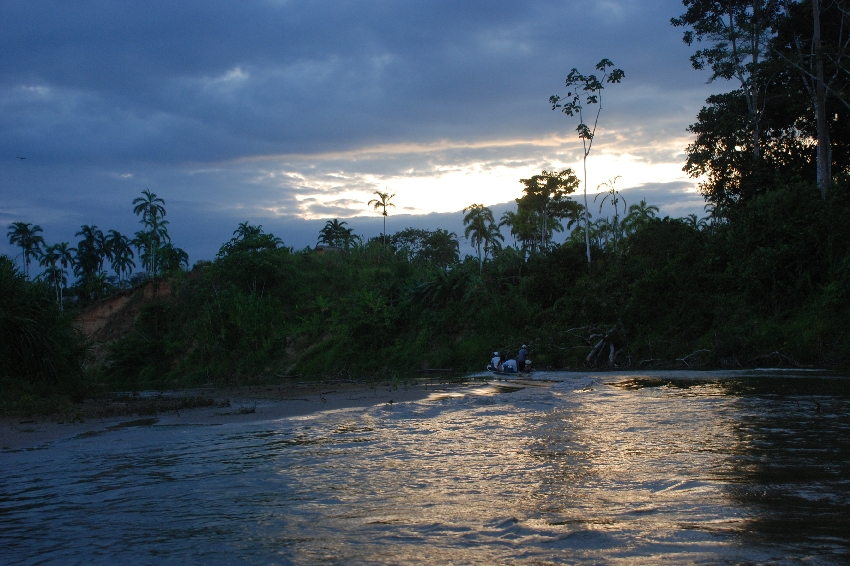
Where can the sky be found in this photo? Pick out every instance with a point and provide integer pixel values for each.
(288, 113)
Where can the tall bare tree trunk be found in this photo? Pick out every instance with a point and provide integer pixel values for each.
(824, 165)
(586, 214)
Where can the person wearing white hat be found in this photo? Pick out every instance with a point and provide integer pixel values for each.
(494, 363)
(522, 356)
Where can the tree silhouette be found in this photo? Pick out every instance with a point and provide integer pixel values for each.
(56, 259)
(572, 105)
(481, 230)
(381, 203)
(246, 231)
(336, 234)
(121, 253)
(546, 200)
(639, 215)
(28, 237)
(152, 210)
(613, 196)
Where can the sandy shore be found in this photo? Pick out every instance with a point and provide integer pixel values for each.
(222, 405)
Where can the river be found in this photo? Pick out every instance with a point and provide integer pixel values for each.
(651, 467)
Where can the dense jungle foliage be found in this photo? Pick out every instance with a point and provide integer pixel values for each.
(764, 279)
(769, 286)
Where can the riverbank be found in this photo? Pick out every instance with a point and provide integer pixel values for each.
(209, 406)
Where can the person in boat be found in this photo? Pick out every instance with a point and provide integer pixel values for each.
(494, 363)
(521, 357)
(527, 367)
(509, 366)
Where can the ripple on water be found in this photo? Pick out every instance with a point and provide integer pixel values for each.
(604, 469)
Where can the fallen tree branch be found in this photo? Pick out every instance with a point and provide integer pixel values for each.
(777, 354)
(595, 350)
(684, 360)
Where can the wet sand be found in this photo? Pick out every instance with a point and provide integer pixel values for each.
(224, 405)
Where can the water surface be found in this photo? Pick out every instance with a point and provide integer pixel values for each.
(605, 468)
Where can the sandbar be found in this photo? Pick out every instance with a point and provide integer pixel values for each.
(221, 405)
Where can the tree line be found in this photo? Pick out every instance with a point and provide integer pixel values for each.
(86, 260)
(762, 279)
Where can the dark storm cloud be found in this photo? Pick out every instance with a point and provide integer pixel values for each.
(105, 99)
(175, 81)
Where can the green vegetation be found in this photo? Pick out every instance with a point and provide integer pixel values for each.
(762, 279)
(766, 284)
(41, 352)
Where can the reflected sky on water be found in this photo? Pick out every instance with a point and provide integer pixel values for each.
(658, 467)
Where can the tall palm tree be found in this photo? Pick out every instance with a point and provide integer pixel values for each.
(511, 220)
(25, 235)
(492, 240)
(382, 202)
(152, 210)
(480, 228)
(149, 243)
(336, 234)
(121, 253)
(53, 275)
(90, 251)
(601, 231)
(148, 206)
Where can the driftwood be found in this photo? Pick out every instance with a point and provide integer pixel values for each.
(598, 342)
(595, 351)
(685, 359)
(776, 354)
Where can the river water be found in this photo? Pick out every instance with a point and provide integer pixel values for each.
(665, 467)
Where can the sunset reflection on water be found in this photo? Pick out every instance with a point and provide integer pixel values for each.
(665, 468)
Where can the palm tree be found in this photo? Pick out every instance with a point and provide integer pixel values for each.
(90, 251)
(335, 234)
(692, 221)
(492, 239)
(53, 275)
(121, 253)
(25, 235)
(152, 210)
(613, 196)
(246, 230)
(148, 206)
(639, 215)
(715, 216)
(382, 202)
(480, 228)
(148, 243)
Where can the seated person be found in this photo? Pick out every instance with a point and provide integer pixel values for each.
(494, 363)
(509, 366)
(528, 367)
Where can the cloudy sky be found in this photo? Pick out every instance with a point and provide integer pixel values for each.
(287, 113)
